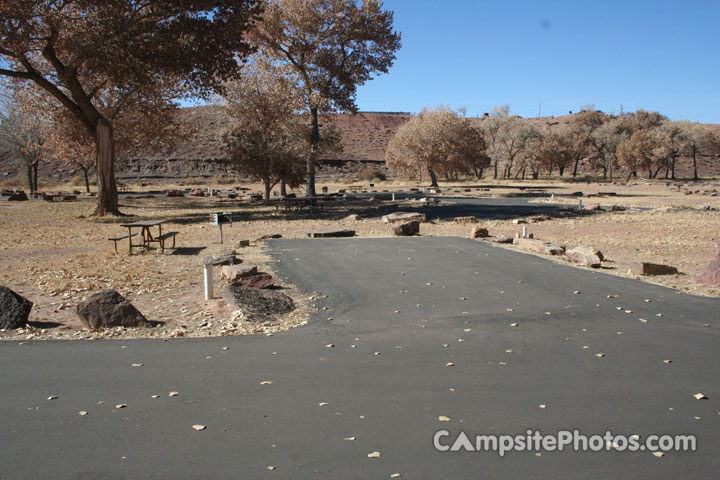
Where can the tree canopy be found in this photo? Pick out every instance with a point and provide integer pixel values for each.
(331, 47)
(143, 49)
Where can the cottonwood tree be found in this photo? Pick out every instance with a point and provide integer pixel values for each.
(332, 47)
(491, 127)
(266, 138)
(604, 142)
(437, 142)
(581, 131)
(699, 139)
(514, 137)
(74, 48)
(23, 132)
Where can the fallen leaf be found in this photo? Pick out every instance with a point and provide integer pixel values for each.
(700, 396)
(374, 455)
(450, 364)
(322, 404)
(266, 382)
(643, 320)
(52, 397)
(445, 345)
(136, 365)
(225, 348)
(667, 361)
(659, 454)
(330, 345)
(173, 394)
(154, 396)
(443, 418)
(542, 406)
(577, 292)
(270, 467)
(698, 418)
(510, 309)
(513, 324)
(199, 427)
(82, 412)
(349, 439)
(467, 330)
(395, 475)
(121, 405)
(600, 355)
(460, 340)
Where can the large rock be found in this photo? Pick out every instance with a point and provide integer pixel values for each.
(332, 234)
(109, 309)
(539, 246)
(196, 192)
(711, 276)
(404, 217)
(233, 273)
(226, 257)
(257, 305)
(259, 280)
(500, 239)
(407, 229)
(174, 193)
(478, 232)
(647, 269)
(14, 309)
(585, 255)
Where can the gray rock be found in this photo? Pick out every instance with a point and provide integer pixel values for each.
(109, 309)
(14, 309)
(539, 246)
(585, 255)
(500, 239)
(468, 219)
(257, 305)
(407, 229)
(403, 217)
(226, 258)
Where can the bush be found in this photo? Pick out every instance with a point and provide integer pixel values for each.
(368, 174)
(14, 182)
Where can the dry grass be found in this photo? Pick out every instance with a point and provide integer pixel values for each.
(55, 256)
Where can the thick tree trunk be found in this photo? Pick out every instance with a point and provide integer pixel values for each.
(695, 173)
(107, 189)
(577, 161)
(672, 168)
(30, 178)
(314, 147)
(495, 166)
(433, 177)
(268, 186)
(87, 180)
(283, 188)
(562, 170)
(35, 177)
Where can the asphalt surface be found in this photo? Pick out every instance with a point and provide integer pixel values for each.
(389, 391)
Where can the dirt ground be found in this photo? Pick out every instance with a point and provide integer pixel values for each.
(55, 255)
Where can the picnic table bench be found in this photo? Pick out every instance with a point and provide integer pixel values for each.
(312, 203)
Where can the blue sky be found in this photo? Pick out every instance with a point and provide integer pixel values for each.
(656, 55)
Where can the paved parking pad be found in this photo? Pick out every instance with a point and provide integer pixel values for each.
(426, 334)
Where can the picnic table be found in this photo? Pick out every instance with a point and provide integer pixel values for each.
(312, 203)
(145, 227)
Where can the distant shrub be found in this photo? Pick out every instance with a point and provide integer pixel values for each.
(368, 174)
(14, 182)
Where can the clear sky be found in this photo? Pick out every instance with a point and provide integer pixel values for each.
(657, 55)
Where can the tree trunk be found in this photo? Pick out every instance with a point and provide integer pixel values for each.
(495, 165)
(695, 174)
(283, 188)
(30, 178)
(268, 186)
(314, 147)
(562, 170)
(672, 168)
(107, 189)
(433, 177)
(577, 161)
(87, 180)
(35, 176)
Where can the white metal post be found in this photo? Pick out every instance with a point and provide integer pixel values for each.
(207, 264)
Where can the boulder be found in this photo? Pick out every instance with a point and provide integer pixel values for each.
(585, 255)
(332, 234)
(257, 305)
(591, 208)
(243, 243)
(500, 239)
(270, 237)
(647, 269)
(18, 196)
(468, 219)
(352, 218)
(519, 221)
(539, 246)
(109, 309)
(174, 193)
(711, 276)
(14, 309)
(407, 229)
(226, 258)
(196, 192)
(617, 208)
(541, 218)
(233, 273)
(258, 280)
(403, 217)
(478, 232)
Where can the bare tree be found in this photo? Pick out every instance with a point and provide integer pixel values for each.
(332, 47)
(699, 139)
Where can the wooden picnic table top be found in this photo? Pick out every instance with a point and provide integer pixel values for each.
(144, 223)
